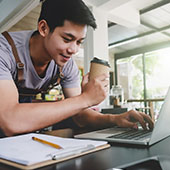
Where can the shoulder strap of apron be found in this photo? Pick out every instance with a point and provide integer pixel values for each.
(20, 65)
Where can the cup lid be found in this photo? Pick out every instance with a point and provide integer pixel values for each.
(100, 61)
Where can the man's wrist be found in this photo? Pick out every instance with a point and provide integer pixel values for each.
(111, 119)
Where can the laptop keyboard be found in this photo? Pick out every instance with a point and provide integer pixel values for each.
(132, 134)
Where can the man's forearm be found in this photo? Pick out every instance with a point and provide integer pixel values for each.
(27, 117)
(93, 119)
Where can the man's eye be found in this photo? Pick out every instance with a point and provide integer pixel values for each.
(66, 39)
(80, 42)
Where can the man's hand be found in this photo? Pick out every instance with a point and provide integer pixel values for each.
(130, 119)
(95, 91)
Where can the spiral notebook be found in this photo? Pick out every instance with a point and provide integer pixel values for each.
(25, 153)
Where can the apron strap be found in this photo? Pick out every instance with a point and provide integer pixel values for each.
(20, 65)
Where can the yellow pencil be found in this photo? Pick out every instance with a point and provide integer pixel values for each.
(47, 143)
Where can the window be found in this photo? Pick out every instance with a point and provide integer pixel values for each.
(145, 76)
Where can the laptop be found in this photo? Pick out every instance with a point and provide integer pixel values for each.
(131, 136)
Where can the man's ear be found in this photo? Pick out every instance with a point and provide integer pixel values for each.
(43, 28)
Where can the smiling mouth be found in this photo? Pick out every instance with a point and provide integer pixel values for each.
(65, 56)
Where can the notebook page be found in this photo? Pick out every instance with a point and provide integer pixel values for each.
(22, 149)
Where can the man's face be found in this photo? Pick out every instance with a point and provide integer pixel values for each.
(65, 41)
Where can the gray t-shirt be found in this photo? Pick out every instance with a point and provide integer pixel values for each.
(31, 78)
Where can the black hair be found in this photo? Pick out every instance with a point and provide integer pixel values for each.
(55, 12)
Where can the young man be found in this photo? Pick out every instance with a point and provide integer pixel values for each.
(62, 28)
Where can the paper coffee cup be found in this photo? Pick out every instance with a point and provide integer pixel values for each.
(98, 67)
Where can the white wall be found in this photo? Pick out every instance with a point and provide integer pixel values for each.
(96, 44)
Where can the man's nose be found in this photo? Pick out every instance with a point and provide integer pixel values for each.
(73, 48)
